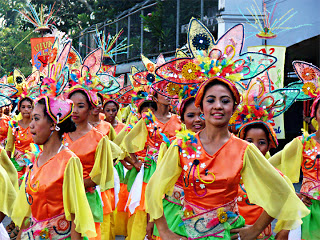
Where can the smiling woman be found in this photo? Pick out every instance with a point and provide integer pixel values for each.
(210, 185)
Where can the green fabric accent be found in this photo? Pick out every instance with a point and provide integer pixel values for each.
(95, 206)
(172, 213)
(119, 167)
(148, 172)
(69, 238)
(310, 228)
(16, 165)
(130, 177)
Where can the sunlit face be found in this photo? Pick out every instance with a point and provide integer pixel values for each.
(40, 126)
(110, 110)
(98, 109)
(160, 99)
(192, 118)
(81, 108)
(25, 109)
(218, 106)
(258, 137)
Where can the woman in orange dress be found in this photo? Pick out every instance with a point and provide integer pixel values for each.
(4, 126)
(110, 109)
(19, 136)
(51, 203)
(94, 119)
(96, 155)
(212, 162)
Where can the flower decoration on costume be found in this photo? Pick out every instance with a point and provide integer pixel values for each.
(173, 89)
(72, 58)
(222, 216)
(201, 41)
(210, 58)
(309, 83)
(187, 140)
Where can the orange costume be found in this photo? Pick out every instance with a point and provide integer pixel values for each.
(119, 127)
(51, 193)
(144, 140)
(211, 185)
(106, 129)
(96, 155)
(18, 140)
(4, 126)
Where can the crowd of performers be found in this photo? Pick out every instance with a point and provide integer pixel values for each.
(180, 153)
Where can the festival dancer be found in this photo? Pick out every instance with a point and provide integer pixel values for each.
(302, 154)
(19, 136)
(94, 119)
(111, 108)
(54, 180)
(209, 183)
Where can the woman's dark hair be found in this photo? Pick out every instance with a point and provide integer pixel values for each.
(66, 126)
(213, 83)
(100, 96)
(184, 107)
(257, 126)
(25, 99)
(148, 105)
(113, 102)
(84, 94)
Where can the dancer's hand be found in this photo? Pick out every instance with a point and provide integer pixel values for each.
(245, 233)
(305, 199)
(283, 235)
(150, 227)
(147, 163)
(137, 165)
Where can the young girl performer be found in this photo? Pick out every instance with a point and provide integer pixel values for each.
(111, 108)
(143, 144)
(302, 154)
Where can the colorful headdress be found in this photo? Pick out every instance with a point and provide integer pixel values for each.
(52, 86)
(309, 83)
(260, 106)
(83, 75)
(27, 87)
(6, 92)
(186, 92)
(210, 58)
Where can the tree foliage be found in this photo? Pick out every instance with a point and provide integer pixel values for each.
(72, 16)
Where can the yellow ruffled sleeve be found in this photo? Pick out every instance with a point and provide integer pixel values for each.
(136, 139)
(163, 149)
(75, 200)
(289, 160)
(8, 193)
(112, 133)
(102, 171)
(21, 208)
(8, 166)
(10, 140)
(162, 181)
(268, 189)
